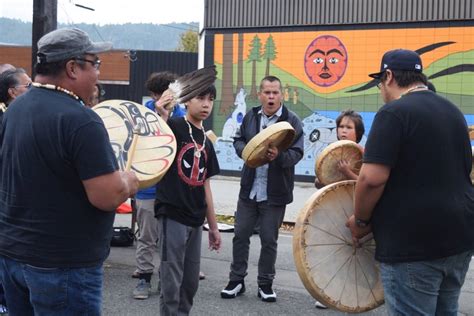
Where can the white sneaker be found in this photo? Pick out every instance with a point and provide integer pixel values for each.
(233, 289)
(320, 305)
(266, 294)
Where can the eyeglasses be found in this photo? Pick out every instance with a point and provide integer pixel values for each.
(96, 63)
(23, 85)
(379, 85)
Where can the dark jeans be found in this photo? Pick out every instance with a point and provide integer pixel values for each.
(425, 287)
(270, 219)
(180, 249)
(39, 291)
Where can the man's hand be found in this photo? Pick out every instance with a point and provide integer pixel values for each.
(317, 183)
(214, 239)
(356, 231)
(272, 152)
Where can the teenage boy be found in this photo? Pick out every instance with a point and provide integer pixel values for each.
(183, 201)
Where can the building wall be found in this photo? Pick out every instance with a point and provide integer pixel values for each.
(225, 14)
(146, 62)
(115, 64)
(446, 48)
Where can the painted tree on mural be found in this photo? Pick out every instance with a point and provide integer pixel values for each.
(254, 57)
(269, 53)
(227, 93)
(240, 63)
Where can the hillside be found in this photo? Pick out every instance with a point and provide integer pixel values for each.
(123, 36)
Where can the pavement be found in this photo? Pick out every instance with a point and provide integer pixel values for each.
(225, 191)
(293, 299)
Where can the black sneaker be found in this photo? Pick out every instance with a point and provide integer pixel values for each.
(233, 289)
(266, 293)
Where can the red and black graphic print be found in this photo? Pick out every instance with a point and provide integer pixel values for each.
(191, 168)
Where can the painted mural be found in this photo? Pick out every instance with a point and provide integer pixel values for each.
(323, 73)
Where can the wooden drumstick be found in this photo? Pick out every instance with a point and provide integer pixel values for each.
(131, 151)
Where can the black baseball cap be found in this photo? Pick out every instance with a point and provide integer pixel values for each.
(68, 43)
(399, 59)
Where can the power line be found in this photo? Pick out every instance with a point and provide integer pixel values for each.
(175, 27)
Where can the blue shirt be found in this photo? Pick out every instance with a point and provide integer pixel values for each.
(259, 187)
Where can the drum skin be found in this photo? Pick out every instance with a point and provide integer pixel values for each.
(156, 143)
(325, 167)
(280, 134)
(332, 270)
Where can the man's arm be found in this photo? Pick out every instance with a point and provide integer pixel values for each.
(107, 192)
(239, 139)
(369, 189)
(214, 235)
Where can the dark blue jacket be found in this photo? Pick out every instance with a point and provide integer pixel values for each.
(281, 171)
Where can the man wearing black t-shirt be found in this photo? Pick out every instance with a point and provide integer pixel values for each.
(59, 185)
(414, 192)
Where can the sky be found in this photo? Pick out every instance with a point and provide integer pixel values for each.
(112, 11)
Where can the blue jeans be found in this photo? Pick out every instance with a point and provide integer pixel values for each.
(39, 291)
(425, 287)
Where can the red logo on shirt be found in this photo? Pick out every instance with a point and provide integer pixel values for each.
(192, 169)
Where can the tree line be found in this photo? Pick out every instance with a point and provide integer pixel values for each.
(137, 36)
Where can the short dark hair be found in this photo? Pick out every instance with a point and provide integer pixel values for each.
(158, 82)
(56, 67)
(211, 90)
(270, 79)
(406, 78)
(358, 122)
(9, 79)
(431, 86)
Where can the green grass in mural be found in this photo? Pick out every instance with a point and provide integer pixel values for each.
(456, 87)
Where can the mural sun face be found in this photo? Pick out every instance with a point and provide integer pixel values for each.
(325, 60)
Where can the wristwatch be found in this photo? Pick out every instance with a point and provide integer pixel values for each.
(362, 223)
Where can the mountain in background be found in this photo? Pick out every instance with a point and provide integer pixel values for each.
(143, 36)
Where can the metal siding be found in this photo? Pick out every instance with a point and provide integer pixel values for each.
(401, 12)
(116, 91)
(154, 61)
(469, 9)
(341, 11)
(445, 8)
(221, 14)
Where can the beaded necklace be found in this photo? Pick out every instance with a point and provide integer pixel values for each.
(421, 87)
(60, 89)
(197, 150)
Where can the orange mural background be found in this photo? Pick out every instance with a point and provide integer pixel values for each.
(365, 49)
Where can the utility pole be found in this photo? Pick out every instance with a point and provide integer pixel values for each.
(45, 16)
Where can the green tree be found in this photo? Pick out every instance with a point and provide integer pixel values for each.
(269, 53)
(253, 57)
(188, 42)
